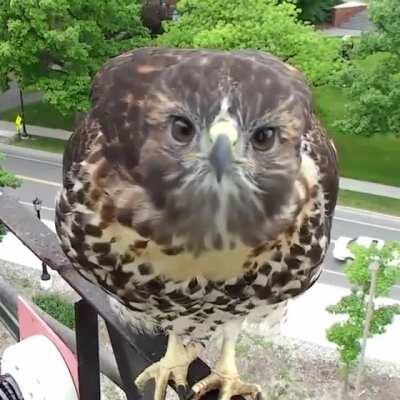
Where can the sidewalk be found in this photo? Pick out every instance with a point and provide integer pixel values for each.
(308, 321)
(340, 32)
(12, 250)
(370, 187)
(307, 316)
(7, 128)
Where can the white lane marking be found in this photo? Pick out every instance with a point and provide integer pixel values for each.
(37, 180)
(367, 213)
(330, 271)
(25, 203)
(32, 159)
(354, 221)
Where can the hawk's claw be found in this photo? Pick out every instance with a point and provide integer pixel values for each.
(182, 392)
(173, 366)
(228, 387)
(189, 395)
(161, 375)
(259, 396)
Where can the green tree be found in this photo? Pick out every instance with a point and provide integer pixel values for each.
(255, 24)
(348, 334)
(58, 45)
(375, 92)
(7, 179)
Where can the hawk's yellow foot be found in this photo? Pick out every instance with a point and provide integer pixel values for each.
(224, 375)
(173, 366)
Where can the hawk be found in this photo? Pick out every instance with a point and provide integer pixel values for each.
(198, 191)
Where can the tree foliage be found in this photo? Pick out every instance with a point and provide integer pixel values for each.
(254, 24)
(58, 45)
(375, 92)
(347, 334)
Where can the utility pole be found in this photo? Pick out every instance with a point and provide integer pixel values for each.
(37, 205)
(24, 134)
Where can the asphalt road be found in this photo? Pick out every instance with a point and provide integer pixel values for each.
(42, 178)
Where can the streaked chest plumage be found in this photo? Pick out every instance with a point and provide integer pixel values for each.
(192, 295)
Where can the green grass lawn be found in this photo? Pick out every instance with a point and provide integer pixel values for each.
(375, 159)
(57, 307)
(42, 143)
(370, 202)
(41, 114)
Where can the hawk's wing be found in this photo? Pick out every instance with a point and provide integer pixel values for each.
(324, 154)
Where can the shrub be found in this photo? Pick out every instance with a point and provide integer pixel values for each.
(254, 24)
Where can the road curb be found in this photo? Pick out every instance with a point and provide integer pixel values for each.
(31, 154)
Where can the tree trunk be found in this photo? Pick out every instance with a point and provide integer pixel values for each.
(344, 394)
(374, 267)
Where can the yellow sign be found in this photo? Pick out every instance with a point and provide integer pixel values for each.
(18, 123)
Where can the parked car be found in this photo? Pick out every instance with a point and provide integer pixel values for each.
(341, 249)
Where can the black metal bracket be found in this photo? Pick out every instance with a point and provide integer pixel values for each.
(87, 346)
(126, 365)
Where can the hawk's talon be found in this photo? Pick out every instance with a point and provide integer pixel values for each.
(190, 394)
(228, 386)
(173, 366)
(182, 391)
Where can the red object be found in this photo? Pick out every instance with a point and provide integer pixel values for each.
(31, 324)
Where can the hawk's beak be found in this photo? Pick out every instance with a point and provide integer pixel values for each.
(221, 156)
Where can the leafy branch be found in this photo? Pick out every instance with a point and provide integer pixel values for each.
(372, 274)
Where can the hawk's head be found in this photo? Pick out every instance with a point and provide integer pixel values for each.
(213, 139)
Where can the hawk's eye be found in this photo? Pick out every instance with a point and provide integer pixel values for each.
(182, 129)
(263, 138)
